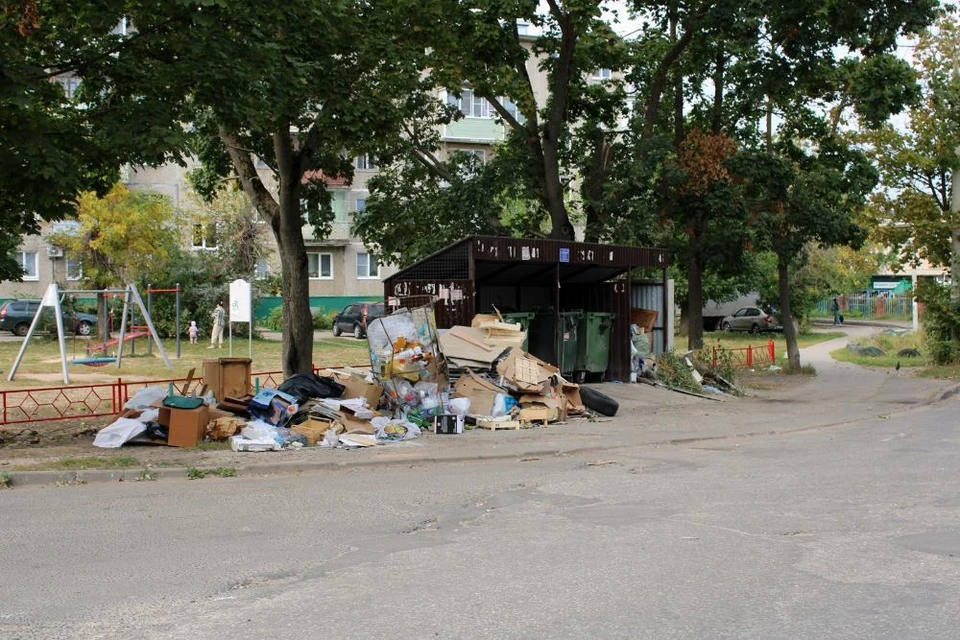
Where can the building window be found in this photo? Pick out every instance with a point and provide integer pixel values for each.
(261, 270)
(367, 267)
(479, 154)
(364, 162)
(30, 265)
(320, 266)
(70, 85)
(601, 74)
(470, 105)
(361, 205)
(74, 269)
(205, 236)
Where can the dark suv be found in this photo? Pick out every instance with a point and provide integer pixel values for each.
(16, 316)
(354, 318)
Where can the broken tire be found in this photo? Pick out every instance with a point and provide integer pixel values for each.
(599, 402)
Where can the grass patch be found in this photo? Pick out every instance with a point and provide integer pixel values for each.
(213, 446)
(6, 482)
(193, 473)
(83, 463)
(734, 340)
(890, 343)
(43, 357)
(943, 372)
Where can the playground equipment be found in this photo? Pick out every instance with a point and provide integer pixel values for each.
(51, 298)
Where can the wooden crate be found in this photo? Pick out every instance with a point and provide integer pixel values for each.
(228, 377)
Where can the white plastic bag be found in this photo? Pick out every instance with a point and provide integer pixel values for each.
(146, 397)
(115, 434)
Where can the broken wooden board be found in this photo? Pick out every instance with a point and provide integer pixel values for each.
(495, 423)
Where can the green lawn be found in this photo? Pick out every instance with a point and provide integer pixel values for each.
(41, 361)
(736, 340)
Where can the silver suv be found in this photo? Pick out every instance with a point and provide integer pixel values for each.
(16, 316)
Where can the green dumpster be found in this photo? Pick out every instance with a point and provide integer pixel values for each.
(593, 342)
(524, 318)
(554, 339)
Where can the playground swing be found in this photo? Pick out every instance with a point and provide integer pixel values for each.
(52, 299)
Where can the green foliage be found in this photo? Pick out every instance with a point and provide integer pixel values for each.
(323, 321)
(6, 482)
(912, 212)
(941, 323)
(193, 473)
(274, 320)
(672, 370)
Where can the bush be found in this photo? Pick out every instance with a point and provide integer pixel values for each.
(940, 323)
(323, 321)
(274, 321)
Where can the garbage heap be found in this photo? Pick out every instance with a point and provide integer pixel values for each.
(420, 379)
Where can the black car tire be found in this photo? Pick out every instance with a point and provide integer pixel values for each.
(336, 329)
(599, 402)
(21, 329)
(84, 328)
(726, 326)
(755, 328)
(357, 331)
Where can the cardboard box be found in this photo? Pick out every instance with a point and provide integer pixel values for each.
(313, 429)
(186, 427)
(356, 386)
(482, 393)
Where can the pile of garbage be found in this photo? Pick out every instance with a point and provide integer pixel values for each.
(420, 379)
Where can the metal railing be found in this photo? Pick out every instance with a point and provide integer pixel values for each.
(47, 404)
(743, 357)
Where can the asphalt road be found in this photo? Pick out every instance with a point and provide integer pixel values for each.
(843, 527)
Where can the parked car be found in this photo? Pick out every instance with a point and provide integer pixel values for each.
(752, 319)
(16, 316)
(354, 318)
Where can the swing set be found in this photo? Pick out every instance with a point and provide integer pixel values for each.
(51, 299)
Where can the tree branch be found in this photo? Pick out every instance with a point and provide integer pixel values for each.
(258, 194)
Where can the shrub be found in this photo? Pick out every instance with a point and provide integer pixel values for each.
(274, 321)
(323, 321)
(940, 323)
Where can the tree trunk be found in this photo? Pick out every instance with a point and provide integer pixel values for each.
(695, 294)
(297, 319)
(593, 186)
(786, 317)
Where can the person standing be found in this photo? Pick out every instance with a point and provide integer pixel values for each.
(193, 331)
(219, 316)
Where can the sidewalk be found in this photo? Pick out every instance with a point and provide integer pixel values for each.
(839, 394)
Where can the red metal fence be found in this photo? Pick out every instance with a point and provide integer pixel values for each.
(748, 356)
(47, 404)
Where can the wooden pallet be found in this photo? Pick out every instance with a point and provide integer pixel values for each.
(493, 425)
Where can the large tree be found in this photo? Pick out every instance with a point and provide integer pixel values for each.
(300, 87)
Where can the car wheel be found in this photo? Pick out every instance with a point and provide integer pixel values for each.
(599, 402)
(84, 328)
(755, 328)
(726, 326)
(336, 330)
(357, 331)
(21, 329)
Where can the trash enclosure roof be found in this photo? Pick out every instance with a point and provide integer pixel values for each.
(509, 261)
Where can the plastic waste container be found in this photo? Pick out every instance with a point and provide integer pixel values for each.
(593, 341)
(553, 338)
(524, 318)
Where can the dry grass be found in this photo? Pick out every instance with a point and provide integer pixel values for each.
(41, 365)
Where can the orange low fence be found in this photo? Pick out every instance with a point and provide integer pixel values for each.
(47, 404)
(748, 356)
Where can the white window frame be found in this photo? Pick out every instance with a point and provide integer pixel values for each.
(36, 266)
(366, 266)
(364, 163)
(360, 205)
(203, 246)
(319, 272)
(75, 262)
(602, 74)
(479, 154)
